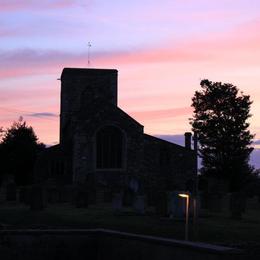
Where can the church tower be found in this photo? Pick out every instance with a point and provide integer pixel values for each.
(80, 88)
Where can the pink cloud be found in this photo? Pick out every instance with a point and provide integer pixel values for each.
(146, 101)
(240, 45)
(246, 37)
(6, 32)
(14, 95)
(13, 5)
(161, 114)
(30, 62)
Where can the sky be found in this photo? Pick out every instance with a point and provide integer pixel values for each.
(161, 49)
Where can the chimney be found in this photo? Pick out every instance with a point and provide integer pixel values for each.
(188, 140)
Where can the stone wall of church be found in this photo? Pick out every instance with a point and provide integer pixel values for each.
(84, 143)
(171, 167)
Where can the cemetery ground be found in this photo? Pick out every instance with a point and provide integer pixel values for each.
(215, 228)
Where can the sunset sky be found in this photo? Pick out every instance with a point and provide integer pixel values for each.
(162, 49)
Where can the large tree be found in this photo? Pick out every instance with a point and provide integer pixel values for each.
(18, 152)
(220, 119)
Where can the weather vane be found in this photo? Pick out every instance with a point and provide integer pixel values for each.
(89, 45)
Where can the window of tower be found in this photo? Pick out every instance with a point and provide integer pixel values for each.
(109, 148)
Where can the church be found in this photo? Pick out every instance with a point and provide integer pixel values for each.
(102, 147)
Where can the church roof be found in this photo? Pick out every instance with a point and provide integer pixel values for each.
(104, 108)
(154, 138)
(128, 116)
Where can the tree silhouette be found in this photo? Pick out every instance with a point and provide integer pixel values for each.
(220, 120)
(1, 133)
(18, 151)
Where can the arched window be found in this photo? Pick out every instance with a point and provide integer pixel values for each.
(109, 148)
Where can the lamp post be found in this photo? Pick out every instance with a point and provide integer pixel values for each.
(187, 197)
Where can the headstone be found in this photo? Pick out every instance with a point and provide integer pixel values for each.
(253, 203)
(204, 201)
(215, 202)
(2, 195)
(139, 204)
(213, 193)
(161, 203)
(64, 193)
(81, 197)
(25, 195)
(128, 197)
(22, 194)
(107, 196)
(11, 191)
(92, 196)
(52, 194)
(100, 196)
(68, 193)
(237, 205)
(134, 185)
(117, 202)
(37, 197)
(226, 202)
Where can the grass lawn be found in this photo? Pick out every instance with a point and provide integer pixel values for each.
(212, 228)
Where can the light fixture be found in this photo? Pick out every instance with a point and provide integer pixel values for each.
(186, 196)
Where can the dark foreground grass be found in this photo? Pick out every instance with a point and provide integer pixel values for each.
(212, 228)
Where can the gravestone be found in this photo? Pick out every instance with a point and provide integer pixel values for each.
(134, 185)
(117, 202)
(81, 199)
(237, 205)
(204, 201)
(67, 193)
(2, 194)
(107, 196)
(28, 195)
(215, 202)
(139, 204)
(128, 197)
(52, 194)
(37, 197)
(92, 196)
(161, 203)
(25, 194)
(226, 202)
(212, 195)
(253, 203)
(11, 191)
